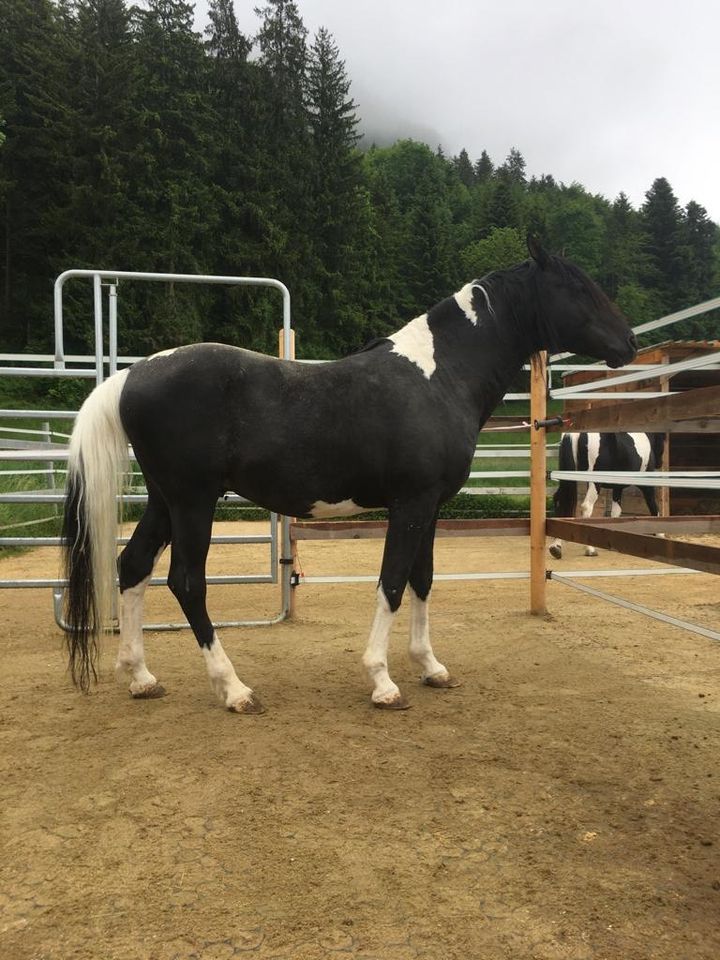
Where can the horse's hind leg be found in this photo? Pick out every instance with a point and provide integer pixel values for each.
(192, 527)
(135, 566)
(586, 510)
(432, 672)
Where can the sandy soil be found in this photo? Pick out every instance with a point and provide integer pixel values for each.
(563, 804)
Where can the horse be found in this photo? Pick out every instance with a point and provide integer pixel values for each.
(392, 426)
(638, 452)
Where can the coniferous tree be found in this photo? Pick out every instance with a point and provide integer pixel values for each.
(484, 168)
(623, 257)
(464, 168)
(287, 173)
(662, 227)
(35, 164)
(171, 171)
(336, 201)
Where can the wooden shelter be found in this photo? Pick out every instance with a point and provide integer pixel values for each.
(692, 420)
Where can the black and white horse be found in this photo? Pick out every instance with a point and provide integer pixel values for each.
(394, 425)
(604, 452)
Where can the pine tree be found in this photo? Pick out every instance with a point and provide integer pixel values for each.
(336, 196)
(662, 228)
(624, 261)
(484, 168)
(513, 170)
(35, 164)
(172, 160)
(287, 164)
(464, 168)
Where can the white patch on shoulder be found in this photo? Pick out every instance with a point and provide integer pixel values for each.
(344, 508)
(414, 341)
(162, 353)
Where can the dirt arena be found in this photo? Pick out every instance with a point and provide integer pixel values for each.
(563, 804)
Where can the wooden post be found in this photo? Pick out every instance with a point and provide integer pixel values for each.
(538, 490)
(664, 493)
(293, 543)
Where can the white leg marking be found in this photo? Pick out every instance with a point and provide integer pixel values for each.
(420, 650)
(615, 509)
(556, 549)
(131, 651)
(223, 679)
(375, 656)
(586, 509)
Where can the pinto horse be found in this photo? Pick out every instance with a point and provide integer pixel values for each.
(394, 425)
(604, 452)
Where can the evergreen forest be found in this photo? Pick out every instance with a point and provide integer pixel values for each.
(130, 141)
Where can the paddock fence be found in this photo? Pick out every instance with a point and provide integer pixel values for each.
(41, 452)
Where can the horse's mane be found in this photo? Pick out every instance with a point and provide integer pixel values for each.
(370, 345)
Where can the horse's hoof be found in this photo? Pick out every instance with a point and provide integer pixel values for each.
(150, 693)
(442, 681)
(556, 552)
(399, 703)
(252, 706)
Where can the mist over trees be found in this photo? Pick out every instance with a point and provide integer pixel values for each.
(129, 141)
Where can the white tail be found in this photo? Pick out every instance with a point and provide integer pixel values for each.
(98, 456)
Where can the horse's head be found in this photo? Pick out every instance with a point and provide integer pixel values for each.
(574, 313)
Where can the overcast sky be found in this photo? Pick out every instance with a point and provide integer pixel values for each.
(610, 93)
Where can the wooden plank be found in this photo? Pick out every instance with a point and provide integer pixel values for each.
(538, 494)
(678, 525)
(695, 411)
(376, 529)
(696, 556)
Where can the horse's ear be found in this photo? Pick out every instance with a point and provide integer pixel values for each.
(537, 251)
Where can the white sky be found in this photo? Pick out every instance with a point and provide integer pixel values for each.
(610, 93)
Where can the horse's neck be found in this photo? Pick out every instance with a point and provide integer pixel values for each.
(486, 356)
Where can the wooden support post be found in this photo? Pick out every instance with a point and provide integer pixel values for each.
(293, 543)
(538, 493)
(664, 492)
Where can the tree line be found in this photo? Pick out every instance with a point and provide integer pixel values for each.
(130, 141)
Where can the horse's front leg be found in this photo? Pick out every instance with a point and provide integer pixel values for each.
(432, 672)
(407, 525)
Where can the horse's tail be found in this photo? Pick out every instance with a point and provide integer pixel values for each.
(98, 455)
(565, 497)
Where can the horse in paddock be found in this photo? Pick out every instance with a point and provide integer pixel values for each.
(394, 425)
(606, 452)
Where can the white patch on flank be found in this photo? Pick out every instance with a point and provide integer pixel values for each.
(642, 445)
(344, 508)
(464, 299)
(415, 342)
(162, 353)
(593, 448)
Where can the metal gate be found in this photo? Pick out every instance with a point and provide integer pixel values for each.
(49, 453)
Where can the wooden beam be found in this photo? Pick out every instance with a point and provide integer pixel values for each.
(538, 479)
(376, 529)
(697, 524)
(696, 556)
(694, 411)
